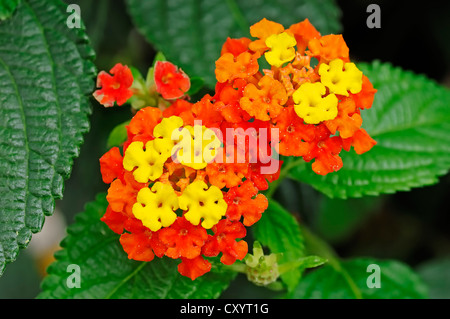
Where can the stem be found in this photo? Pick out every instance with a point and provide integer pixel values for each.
(283, 174)
(319, 247)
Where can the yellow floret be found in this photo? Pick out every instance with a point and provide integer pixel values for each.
(281, 49)
(311, 106)
(148, 163)
(341, 78)
(167, 126)
(201, 202)
(197, 147)
(156, 207)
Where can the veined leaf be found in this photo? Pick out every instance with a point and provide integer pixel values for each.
(46, 71)
(106, 272)
(356, 278)
(279, 231)
(191, 32)
(410, 120)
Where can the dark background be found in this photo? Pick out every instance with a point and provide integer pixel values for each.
(409, 226)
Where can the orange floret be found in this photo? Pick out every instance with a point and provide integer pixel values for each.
(245, 201)
(193, 268)
(303, 32)
(235, 46)
(347, 122)
(229, 67)
(265, 102)
(329, 47)
(183, 239)
(262, 30)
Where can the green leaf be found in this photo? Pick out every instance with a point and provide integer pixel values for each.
(279, 231)
(197, 84)
(435, 273)
(191, 32)
(46, 71)
(106, 271)
(337, 219)
(410, 120)
(118, 135)
(397, 281)
(7, 8)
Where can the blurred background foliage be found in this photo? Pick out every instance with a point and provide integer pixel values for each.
(412, 227)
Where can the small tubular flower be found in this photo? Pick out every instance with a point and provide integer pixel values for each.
(111, 166)
(114, 220)
(115, 88)
(142, 124)
(201, 202)
(229, 67)
(171, 82)
(347, 122)
(226, 174)
(361, 142)
(224, 241)
(197, 147)
(193, 268)
(122, 193)
(235, 46)
(245, 201)
(304, 32)
(267, 101)
(340, 78)
(262, 30)
(142, 244)
(183, 239)
(156, 207)
(312, 106)
(148, 163)
(294, 134)
(329, 47)
(281, 49)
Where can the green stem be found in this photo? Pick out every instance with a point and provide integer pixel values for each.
(285, 169)
(319, 247)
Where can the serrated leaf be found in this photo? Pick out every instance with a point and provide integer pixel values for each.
(46, 71)
(410, 120)
(106, 271)
(397, 281)
(191, 32)
(279, 231)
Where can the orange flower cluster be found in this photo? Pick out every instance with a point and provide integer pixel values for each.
(187, 181)
(317, 109)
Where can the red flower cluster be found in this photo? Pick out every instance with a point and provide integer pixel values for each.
(169, 199)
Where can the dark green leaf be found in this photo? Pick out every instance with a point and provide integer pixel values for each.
(279, 231)
(7, 8)
(397, 281)
(435, 273)
(196, 85)
(191, 32)
(410, 120)
(106, 271)
(46, 71)
(118, 135)
(337, 219)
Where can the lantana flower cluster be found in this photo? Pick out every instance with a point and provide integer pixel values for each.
(186, 183)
